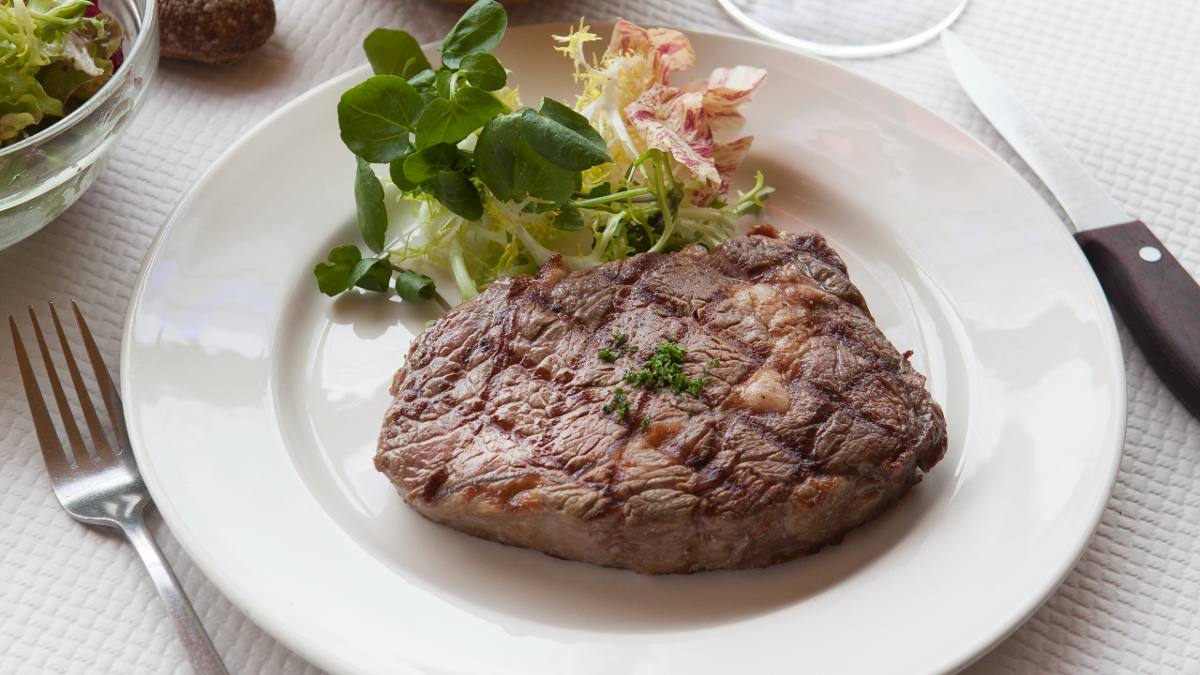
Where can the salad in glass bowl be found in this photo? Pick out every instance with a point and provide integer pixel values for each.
(72, 74)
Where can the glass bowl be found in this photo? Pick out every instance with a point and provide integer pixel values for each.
(44, 174)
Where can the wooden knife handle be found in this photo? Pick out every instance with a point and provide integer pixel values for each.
(1157, 298)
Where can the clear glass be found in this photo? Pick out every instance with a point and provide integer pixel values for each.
(44, 174)
(847, 28)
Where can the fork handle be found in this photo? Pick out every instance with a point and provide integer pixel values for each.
(201, 653)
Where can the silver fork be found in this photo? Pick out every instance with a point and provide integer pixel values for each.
(101, 485)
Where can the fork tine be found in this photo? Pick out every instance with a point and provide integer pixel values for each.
(74, 438)
(99, 438)
(52, 450)
(108, 390)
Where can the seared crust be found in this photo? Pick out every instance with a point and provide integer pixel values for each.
(811, 424)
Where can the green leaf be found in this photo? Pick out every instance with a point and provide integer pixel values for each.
(376, 116)
(372, 274)
(568, 219)
(396, 171)
(497, 154)
(482, 102)
(423, 80)
(413, 287)
(484, 71)
(61, 79)
(457, 192)
(394, 52)
(442, 82)
(513, 170)
(333, 275)
(479, 30)
(425, 163)
(345, 268)
(451, 121)
(564, 137)
(601, 190)
(368, 198)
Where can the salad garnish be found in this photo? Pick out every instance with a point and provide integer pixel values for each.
(54, 55)
(497, 188)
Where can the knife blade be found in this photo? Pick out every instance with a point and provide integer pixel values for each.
(1085, 201)
(1155, 296)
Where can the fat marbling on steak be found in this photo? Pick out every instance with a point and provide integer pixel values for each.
(811, 422)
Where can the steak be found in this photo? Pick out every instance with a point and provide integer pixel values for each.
(809, 422)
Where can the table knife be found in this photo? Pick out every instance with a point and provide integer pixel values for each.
(1155, 296)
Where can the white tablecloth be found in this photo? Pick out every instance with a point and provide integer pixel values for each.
(1118, 81)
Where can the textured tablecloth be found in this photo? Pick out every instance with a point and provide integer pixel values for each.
(1118, 81)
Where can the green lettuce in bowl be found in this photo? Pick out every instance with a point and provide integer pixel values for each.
(54, 55)
(73, 73)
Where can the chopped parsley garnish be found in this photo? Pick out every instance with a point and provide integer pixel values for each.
(619, 404)
(664, 370)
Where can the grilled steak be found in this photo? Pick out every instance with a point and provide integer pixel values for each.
(809, 424)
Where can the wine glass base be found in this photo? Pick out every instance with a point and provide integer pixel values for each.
(847, 28)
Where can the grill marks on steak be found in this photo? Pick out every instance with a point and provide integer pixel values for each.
(811, 424)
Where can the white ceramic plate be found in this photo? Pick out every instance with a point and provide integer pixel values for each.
(254, 404)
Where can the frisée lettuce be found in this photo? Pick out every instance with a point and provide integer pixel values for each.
(636, 163)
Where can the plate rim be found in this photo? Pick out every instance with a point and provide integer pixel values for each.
(326, 659)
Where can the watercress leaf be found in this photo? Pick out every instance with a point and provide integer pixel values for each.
(564, 137)
(425, 163)
(372, 274)
(483, 103)
(457, 192)
(513, 170)
(479, 30)
(346, 254)
(572, 120)
(435, 122)
(484, 71)
(394, 52)
(497, 153)
(413, 286)
(442, 82)
(331, 280)
(396, 171)
(568, 219)
(547, 181)
(368, 198)
(375, 117)
(450, 121)
(333, 275)
(427, 96)
(359, 269)
(601, 190)
(423, 80)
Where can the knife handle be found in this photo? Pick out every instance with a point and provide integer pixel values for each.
(1157, 298)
